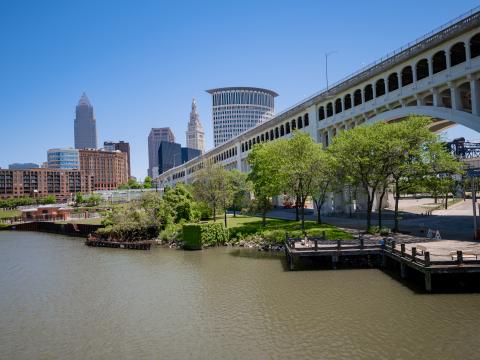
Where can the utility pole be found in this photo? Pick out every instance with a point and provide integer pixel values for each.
(327, 54)
(474, 204)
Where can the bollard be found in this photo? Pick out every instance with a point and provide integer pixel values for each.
(427, 258)
(414, 253)
(459, 257)
(402, 250)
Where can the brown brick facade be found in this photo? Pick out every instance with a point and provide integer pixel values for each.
(109, 169)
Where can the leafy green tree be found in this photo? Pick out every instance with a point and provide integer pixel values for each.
(265, 175)
(147, 183)
(78, 199)
(181, 201)
(241, 190)
(324, 176)
(212, 185)
(365, 155)
(50, 199)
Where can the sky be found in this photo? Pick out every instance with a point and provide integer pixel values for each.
(142, 62)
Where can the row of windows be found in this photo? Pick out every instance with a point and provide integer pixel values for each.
(438, 62)
(225, 155)
(242, 97)
(279, 131)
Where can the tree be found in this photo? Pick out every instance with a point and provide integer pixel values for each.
(324, 174)
(131, 184)
(299, 161)
(241, 190)
(147, 183)
(212, 185)
(365, 154)
(265, 174)
(181, 202)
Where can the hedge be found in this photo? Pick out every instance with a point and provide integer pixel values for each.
(196, 236)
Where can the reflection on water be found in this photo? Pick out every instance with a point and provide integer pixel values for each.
(62, 300)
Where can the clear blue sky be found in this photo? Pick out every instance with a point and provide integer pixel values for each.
(141, 62)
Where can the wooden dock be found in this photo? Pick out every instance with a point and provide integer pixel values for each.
(132, 245)
(427, 258)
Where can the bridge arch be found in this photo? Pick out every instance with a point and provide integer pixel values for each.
(445, 116)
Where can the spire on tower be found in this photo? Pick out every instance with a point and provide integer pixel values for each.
(84, 100)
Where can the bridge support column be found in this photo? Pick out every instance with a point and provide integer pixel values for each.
(455, 95)
(475, 94)
(436, 97)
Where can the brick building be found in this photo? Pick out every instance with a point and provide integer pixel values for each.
(109, 169)
(43, 182)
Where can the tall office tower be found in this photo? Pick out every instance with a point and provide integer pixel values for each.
(195, 133)
(237, 109)
(156, 136)
(85, 125)
(121, 146)
(66, 159)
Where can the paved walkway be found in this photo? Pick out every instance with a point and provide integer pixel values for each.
(455, 223)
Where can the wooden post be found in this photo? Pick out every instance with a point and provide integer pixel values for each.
(402, 250)
(293, 244)
(414, 253)
(403, 270)
(334, 261)
(361, 242)
(428, 281)
(384, 260)
(427, 258)
(292, 265)
(393, 246)
(459, 257)
(316, 244)
(338, 244)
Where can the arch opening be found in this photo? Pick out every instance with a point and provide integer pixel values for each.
(392, 82)
(422, 69)
(300, 122)
(457, 54)
(321, 113)
(368, 91)
(407, 76)
(475, 46)
(439, 62)
(380, 88)
(338, 106)
(329, 110)
(347, 102)
(357, 97)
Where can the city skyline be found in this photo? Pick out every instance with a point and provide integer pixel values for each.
(146, 90)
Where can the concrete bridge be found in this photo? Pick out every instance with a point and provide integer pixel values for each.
(437, 75)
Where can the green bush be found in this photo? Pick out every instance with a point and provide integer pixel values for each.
(171, 233)
(196, 236)
(274, 236)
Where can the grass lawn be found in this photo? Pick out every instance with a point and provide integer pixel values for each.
(8, 214)
(253, 224)
(93, 221)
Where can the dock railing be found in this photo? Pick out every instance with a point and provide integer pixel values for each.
(425, 257)
(308, 244)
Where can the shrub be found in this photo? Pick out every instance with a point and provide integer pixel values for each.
(274, 236)
(196, 236)
(171, 233)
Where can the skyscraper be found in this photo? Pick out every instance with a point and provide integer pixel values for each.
(85, 125)
(236, 109)
(195, 133)
(156, 136)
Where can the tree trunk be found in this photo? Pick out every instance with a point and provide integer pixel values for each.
(234, 212)
(380, 210)
(264, 217)
(397, 199)
(303, 199)
(369, 209)
(319, 208)
(214, 214)
(296, 209)
(446, 200)
(225, 218)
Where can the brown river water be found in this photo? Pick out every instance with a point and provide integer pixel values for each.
(62, 300)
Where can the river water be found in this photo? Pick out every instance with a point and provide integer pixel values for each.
(62, 300)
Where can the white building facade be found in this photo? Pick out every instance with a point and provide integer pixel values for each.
(237, 109)
(66, 159)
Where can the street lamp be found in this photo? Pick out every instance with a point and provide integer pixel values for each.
(327, 54)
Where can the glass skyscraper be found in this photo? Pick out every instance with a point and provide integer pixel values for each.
(85, 125)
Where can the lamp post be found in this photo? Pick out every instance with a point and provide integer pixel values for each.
(327, 54)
